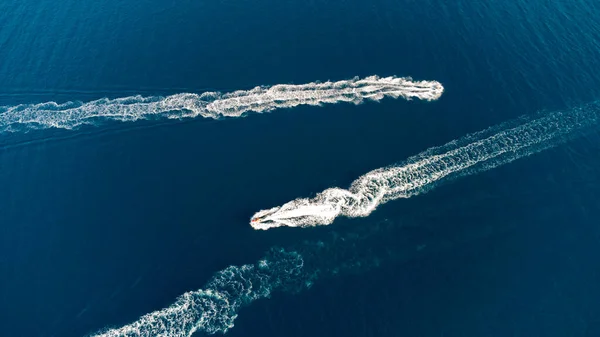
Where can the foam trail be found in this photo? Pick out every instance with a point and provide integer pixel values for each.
(213, 104)
(214, 308)
(471, 154)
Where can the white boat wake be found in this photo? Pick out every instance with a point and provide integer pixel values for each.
(474, 153)
(214, 308)
(213, 104)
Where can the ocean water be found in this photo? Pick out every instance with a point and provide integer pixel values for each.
(104, 223)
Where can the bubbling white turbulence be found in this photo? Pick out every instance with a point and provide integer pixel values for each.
(213, 104)
(214, 308)
(471, 154)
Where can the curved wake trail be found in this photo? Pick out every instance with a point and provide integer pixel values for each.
(213, 104)
(474, 153)
(214, 308)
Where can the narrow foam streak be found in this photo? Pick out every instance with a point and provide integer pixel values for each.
(215, 105)
(474, 153)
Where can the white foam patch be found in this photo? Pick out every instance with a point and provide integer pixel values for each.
(471, 154)
(213, 104)
(214, 308)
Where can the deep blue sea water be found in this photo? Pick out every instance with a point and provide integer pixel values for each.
(101, 225)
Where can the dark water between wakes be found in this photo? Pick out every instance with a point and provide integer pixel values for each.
(100, 228)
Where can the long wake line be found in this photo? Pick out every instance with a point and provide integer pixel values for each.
(474, 153)
(213, 104)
